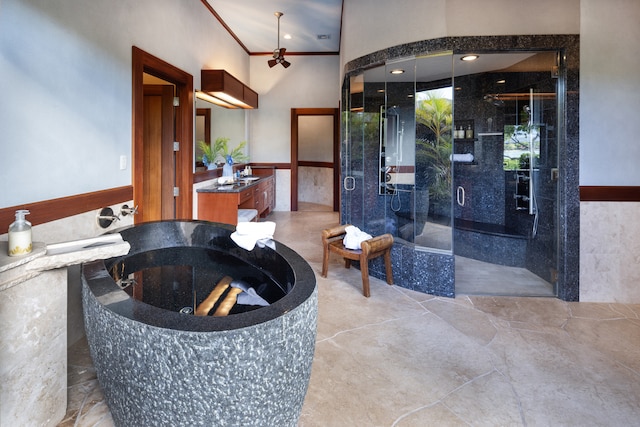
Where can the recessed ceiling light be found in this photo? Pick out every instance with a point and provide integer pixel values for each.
(501, 82)
(397, 71)
(470, 57)
(287, 36)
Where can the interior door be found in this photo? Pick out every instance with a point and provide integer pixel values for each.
(159, 159)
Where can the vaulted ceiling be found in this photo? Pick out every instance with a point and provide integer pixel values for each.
(314, 25)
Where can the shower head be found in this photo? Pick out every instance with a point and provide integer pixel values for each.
(494, 100)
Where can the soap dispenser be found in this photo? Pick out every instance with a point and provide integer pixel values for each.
(468, 133)
(20, 235)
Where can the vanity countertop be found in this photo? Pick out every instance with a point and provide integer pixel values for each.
(232, 187)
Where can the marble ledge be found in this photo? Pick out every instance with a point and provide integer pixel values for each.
(13, 269)
(50, 262)
(16, 270)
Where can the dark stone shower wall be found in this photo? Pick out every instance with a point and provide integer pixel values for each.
(412, 266)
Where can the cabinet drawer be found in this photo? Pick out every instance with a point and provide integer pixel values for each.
(244, 196)
(258, 199)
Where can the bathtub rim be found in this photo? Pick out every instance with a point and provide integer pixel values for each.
(104, 289)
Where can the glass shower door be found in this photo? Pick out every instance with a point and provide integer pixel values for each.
(390, 159)
(508, 224)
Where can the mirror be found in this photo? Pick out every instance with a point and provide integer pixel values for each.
(212, 122)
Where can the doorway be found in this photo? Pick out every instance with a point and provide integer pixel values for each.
(162, 167)
(314, 156)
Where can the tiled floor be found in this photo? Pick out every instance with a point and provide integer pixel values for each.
(475, 277)
(402, 358)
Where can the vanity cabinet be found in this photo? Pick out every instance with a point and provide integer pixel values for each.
(220, 203)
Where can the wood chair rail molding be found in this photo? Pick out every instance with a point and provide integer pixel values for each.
(602, 193)
(53, 209)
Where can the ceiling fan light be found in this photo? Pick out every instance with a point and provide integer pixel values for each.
(278, 54)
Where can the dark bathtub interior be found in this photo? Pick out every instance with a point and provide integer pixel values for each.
(179, 280)
(173, 266)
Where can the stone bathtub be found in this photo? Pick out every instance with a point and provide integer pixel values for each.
(159, 365)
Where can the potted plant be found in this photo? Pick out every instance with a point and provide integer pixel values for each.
(219, 152)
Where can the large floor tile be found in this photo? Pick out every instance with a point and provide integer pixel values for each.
(403, 358)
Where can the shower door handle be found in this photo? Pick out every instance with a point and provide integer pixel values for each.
(460, 195)
(349, 183)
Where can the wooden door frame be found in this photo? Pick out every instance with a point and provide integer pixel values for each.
(143, 62)
(295, 113)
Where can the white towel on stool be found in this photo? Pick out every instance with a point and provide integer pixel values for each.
(248, 234)
(354, 237)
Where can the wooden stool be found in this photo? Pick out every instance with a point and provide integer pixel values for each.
(372, 248)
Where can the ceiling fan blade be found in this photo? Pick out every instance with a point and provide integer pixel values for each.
(285, 63)
(282, 51)
(272, 63)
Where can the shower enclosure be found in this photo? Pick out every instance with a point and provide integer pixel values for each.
(459, 161)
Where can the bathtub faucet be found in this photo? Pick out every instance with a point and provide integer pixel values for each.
(125, 283)
(106, 217)
(109, 217)
(126, 210)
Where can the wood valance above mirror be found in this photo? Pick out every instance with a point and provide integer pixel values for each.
(222, 85)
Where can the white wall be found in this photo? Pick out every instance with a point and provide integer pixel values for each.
(65, 116)
(372, 25)
(609, 81)
(609, 92)
(609, 149)
(310, 82)
(66, 85)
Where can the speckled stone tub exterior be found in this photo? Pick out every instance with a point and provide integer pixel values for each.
(163, 368)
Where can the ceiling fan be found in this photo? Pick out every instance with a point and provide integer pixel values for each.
(278, 54)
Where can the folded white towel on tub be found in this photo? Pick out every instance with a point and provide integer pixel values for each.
(250, 234)
(354, 236)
